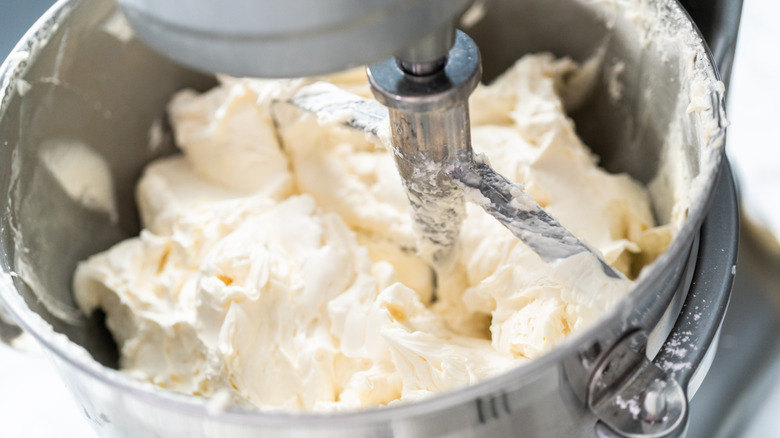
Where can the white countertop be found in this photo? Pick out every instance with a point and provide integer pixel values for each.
(753, 110)
(34, 402)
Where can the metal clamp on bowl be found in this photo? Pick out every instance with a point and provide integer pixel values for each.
(633, 396)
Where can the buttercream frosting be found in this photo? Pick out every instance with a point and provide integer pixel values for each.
(277, 264)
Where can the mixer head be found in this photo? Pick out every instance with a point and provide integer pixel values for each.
(293, 38)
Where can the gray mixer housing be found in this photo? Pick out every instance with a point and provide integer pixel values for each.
(291, 38)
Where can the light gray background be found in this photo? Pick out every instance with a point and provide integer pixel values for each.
(16, 16)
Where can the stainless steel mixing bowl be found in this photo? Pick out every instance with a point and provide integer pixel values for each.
(79, 75)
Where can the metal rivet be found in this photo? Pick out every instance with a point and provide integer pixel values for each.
(654, 402)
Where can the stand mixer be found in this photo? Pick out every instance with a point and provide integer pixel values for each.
(425, 86)
(576, 390)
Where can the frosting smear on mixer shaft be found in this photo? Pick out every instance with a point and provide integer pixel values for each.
(278, 264)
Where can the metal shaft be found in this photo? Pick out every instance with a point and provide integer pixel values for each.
(424, 143)
(429, 120)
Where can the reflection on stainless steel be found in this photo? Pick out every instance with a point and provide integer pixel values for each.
(111, 109)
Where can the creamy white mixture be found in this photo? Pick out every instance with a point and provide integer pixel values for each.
(82, 173)
(286, 274)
